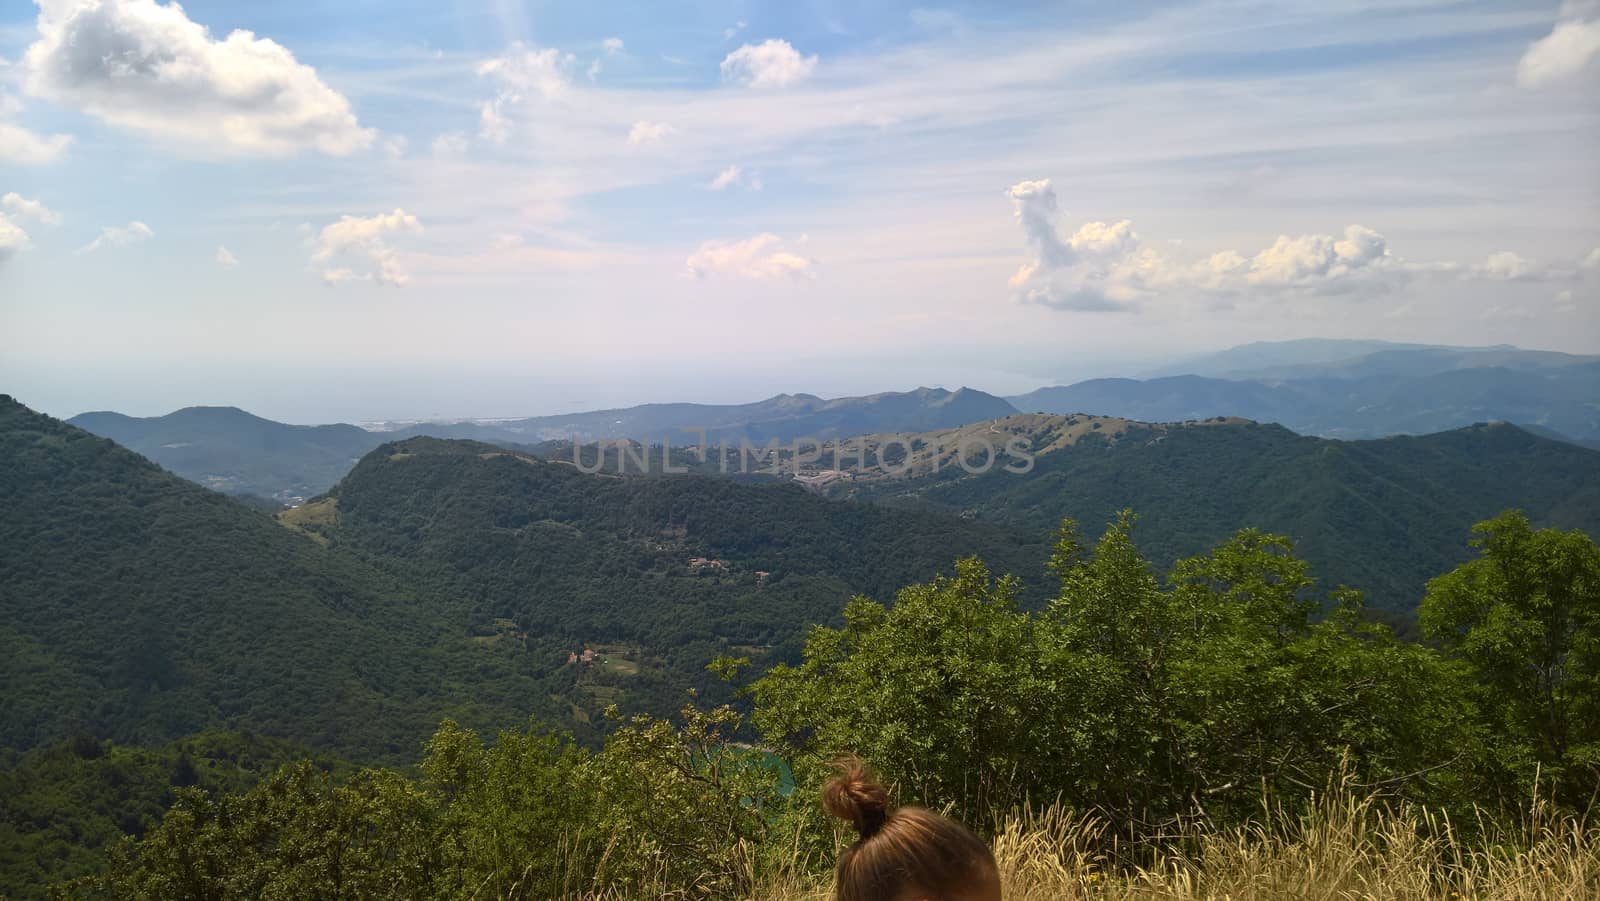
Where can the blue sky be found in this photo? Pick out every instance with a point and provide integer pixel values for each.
(389, 210)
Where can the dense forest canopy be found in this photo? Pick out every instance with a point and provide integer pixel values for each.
(1204, 699)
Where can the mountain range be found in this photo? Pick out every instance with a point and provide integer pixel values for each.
(239, 453)
(1323, 387)
(1372, 391)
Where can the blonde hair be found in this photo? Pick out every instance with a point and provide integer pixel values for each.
(902, 852)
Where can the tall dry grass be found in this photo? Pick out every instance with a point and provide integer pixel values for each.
(1348, 849)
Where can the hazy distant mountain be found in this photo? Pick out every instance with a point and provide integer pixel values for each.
(239, 453)
(1385, 392)
(785, 417)
(1260, 355)
(230, 450)
(1415, 363)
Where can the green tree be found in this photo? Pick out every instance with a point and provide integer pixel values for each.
(943, 693)
(1525, 618)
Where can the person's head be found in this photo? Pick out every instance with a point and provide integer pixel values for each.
(907, 853)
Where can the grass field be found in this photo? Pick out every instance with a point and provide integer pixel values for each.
(1350, 849)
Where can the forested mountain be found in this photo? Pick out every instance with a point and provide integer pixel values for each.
(1381, 515)
(666, 573)
(236, 452)
(441, 578)
(1370, 395)
(140, 607)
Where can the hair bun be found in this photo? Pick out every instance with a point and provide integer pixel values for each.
(855, 795)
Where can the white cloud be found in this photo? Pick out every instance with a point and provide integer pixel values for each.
(1319, 259)
(1567, 50)
(12, 238)
(22, 208)
(760, 257)
(119, 236)
(521, 75)
(644, 132)
(360, 242)
(14, 210)
(1096, 269)
(146, 67)
(733, 176)
(772, 63)
(610, 47)
(1505, 266)
(19, 145)
(1106, 266)
(225, 257)
(730, 31)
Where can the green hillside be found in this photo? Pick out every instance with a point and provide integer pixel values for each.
(1381, 515)
(233, 451)
(575, 560)
(442, 578)
(140, 607)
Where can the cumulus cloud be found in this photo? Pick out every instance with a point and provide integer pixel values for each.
(22, 146)
(1567, 51)
(15, 210)
(12, 238)
(22, 208)
(134, 232)
(772, 63)
(1319, 259)
(356, 249)
(523, 74)
(1105, 266)
(225, 257)
(147, 67)
(644, 132)
(1099, 267)
(761, 257)
(1505, 266)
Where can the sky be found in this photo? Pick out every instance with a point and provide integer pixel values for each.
(391, 210)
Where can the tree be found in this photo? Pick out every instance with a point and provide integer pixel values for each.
(943, 693)
(1525, 618)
